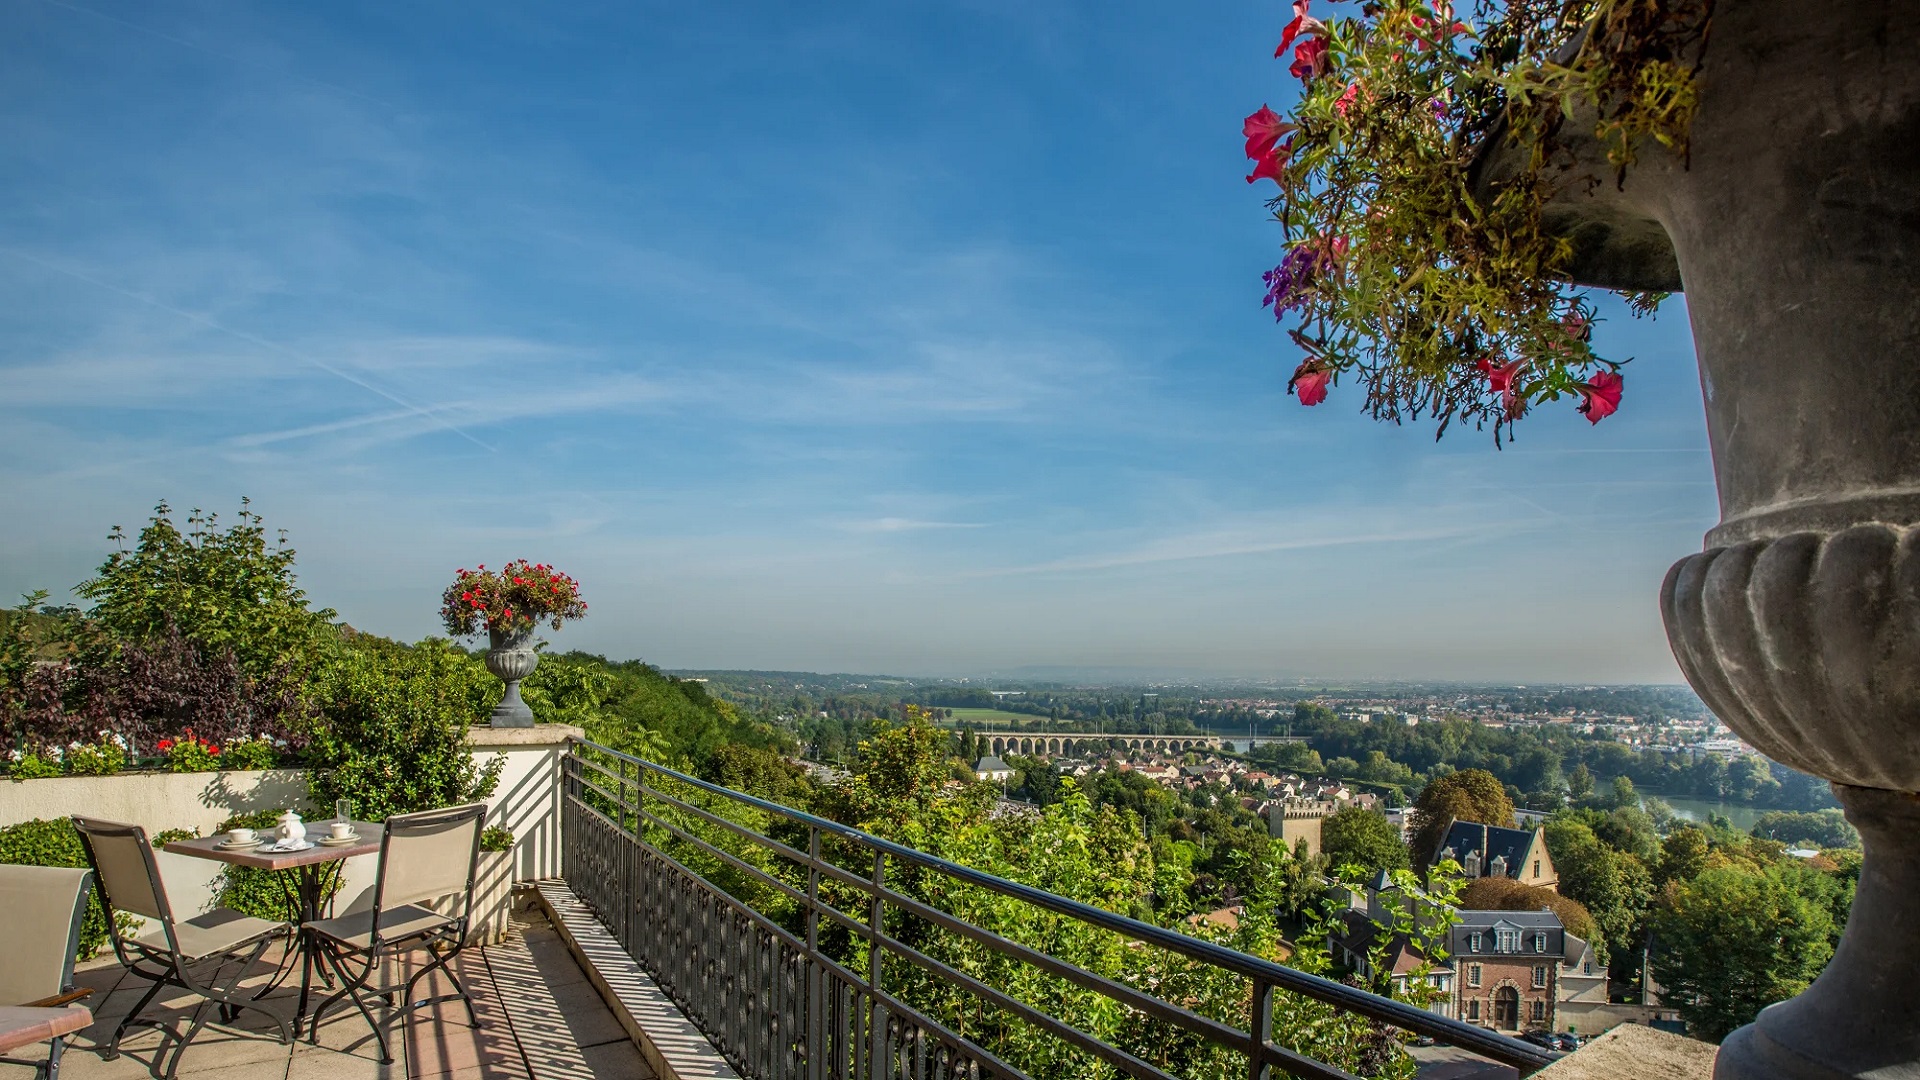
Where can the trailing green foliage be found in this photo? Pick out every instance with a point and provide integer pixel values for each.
(1435, 279)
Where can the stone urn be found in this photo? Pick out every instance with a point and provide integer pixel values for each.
(510, 657)
(1794, 231)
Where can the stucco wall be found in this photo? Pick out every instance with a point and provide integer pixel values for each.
(527, 801)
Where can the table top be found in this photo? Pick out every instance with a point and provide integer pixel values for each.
(206, 847)
(23, 1025)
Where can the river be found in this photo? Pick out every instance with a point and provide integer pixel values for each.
(1742, 817)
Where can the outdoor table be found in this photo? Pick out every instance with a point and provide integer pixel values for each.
(24, 1025)
(309, 894)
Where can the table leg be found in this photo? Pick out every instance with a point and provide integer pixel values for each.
(311, 898)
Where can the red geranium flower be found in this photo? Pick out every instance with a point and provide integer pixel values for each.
(1504, 379)
(1262, 130)
(1601, 395)
(1272, 164)
(1347, 99)
(1310, 381)
(164, 745)
(1302, 24)
(1309, 59)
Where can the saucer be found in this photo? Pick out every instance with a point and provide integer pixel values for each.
(248, 846)
(338, 841)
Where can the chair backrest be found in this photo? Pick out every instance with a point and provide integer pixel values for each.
(123, 859)
(41, 908)
(429, 855)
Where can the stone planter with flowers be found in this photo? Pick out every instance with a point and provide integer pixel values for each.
(508, 604)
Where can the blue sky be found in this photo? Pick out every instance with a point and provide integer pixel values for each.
(865, 336)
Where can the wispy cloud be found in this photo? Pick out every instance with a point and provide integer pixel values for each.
(900, 524)
(1223, 544)
(250, 338)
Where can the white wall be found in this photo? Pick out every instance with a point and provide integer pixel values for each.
(527, 801)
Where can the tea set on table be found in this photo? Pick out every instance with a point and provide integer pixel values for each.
(291, 835)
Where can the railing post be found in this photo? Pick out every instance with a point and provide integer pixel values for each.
(629, 862)
(876, 925)
(1260, 1030)
(815, 981)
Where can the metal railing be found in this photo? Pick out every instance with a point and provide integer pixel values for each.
(798, 987)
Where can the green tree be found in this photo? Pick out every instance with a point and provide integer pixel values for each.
(1580, 783)
(1683, 854)
(1623, 793)
(1356, 836)
(1466, 795)
(1733, 941)
(1613, 885)
(1818, 828)
(225, 589)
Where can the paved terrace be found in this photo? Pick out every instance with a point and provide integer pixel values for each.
(541, 1020)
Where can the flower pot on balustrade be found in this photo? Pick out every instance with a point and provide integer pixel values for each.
(510, 657)
(492, 898)
(1794, 230)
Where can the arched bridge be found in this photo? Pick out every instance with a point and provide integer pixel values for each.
(1046, 744)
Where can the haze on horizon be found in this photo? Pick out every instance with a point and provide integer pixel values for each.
(866, 339)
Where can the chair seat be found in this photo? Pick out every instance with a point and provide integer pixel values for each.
(218, 931)
(356, 930)
(21, 1026)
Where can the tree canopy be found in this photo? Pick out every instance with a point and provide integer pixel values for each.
(1735, 940)
(1357, 836)
(225, 589)
(1506, 894)
(1466, 795)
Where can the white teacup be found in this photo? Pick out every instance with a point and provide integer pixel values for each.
(240, 836)
(341, 829)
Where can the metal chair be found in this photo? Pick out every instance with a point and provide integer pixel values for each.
(44, 907)
(421, 900)
(191, 954)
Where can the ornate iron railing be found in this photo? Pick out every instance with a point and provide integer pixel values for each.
(782, 1005)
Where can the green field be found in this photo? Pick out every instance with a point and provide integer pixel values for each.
(981, 718)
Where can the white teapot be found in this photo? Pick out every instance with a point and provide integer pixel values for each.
(292, 830)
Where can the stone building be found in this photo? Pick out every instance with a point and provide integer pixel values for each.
(1507, 968)
(1293, 820)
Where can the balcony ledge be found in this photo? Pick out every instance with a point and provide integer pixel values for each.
(1633, 1052)
(672, 1046)
(480, 736)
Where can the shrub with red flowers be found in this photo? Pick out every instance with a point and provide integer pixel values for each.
(511, 600)
(1411, 265)
(189, 753)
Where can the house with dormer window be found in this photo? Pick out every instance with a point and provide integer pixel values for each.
(1507, 968)
(1493, 851)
